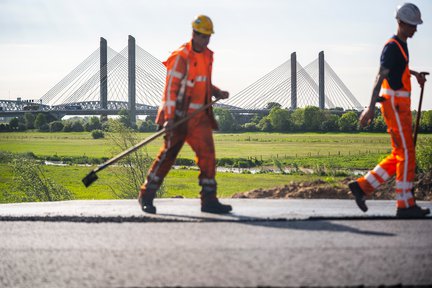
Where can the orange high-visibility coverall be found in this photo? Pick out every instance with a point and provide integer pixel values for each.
(397, 115)
(188, 87)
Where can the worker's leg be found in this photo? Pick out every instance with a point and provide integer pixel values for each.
(401, 162)
(200, 138)
(173, 142)
(405, 154)
(381, 173)
(365, 185)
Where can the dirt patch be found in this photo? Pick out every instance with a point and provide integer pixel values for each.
(320, 189)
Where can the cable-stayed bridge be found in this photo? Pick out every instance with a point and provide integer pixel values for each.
(292, 85)
(84, 85)
(108, 81)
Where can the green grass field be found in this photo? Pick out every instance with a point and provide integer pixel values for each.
(339, 150)
(260, 145)
(319, 151)
(178, 182)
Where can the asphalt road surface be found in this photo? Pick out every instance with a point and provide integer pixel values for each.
(271, 243)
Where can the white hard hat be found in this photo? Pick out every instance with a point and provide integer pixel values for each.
(409, 13)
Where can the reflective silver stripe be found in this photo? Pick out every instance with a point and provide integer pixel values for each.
(191, 83)
(207, 181)
(201, 78)
(372, 180)
(404, 185)
(169, 136)
(405, 196)
(195, 105)
(169, 103)
(175, 74)
(183, 85)
(381, 172)
(397, 93)
(169, 88)
(405, 149)
(153, 177)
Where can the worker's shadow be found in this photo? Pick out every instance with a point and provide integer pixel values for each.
(316, 225)
(321, 224)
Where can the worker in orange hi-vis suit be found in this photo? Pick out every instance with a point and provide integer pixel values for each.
(188, 87)
(393, 80)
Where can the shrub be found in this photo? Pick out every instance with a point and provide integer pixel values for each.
(29, 120)
(5, 157)
(44, 128)
(56, 126)
(184, 162)
(348, 122)
(5, 127)
(243, 163)
(106, 126)
(40, 122)
(93, 124)
(77, 126)
(22, 127)
(225, 162)
(424, 155)
(132, 169)
(30, 180)
(250, 127)
(13, 124)
(143, 127)
(265, 125)
(225, 119)
(280, 119)
(97, 134)
(67, 127)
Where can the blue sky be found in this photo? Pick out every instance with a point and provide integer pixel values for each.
(43, 40)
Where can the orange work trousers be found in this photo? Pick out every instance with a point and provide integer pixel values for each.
(401, 161)
(197, 132)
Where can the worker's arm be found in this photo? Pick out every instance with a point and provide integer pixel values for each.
(175, 85)
(421, 78)
(368, 114)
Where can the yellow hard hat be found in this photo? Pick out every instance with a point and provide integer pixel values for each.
(203, 25)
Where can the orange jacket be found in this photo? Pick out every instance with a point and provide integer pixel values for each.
(188, 84)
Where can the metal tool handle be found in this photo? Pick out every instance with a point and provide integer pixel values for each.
(416, 127)
(91, 177)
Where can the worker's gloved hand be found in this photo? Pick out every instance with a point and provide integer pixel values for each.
(168, 124)
(421, 78)
(222, 94)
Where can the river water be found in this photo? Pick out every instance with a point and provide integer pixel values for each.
(255, 170)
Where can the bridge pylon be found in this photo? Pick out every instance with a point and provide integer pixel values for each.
(103, 77)
(293, 81)
(132, 80)
(321, 80)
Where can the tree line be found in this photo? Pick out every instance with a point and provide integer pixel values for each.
(309, 119)
(47, 123)
(275, 119)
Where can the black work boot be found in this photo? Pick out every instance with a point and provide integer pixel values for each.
(147, 205)
(412, 212)
(210, 203)
(359, 195)
(146, 196)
